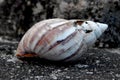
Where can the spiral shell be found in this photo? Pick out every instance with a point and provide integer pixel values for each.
(59, 39)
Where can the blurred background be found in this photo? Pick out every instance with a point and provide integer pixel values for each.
(17, 16)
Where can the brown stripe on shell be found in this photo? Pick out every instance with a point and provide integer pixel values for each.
(38, 30)
(42, 25)
(50, 35)
(63, 41)
(23, 45)
(47, 27)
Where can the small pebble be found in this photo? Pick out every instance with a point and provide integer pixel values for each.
(89, 72)
(68, 77)
(117, 75)
(81, 66)
(53, 76)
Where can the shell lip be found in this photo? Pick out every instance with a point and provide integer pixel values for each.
(26, 55)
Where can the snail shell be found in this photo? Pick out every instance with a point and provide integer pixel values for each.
(59, 39)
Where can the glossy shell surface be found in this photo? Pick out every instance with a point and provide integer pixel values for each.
(59, 39)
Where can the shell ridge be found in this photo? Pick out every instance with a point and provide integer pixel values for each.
(53, 41)
(71, 57)
(64, 45)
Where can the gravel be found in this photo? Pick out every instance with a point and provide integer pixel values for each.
(97, 64)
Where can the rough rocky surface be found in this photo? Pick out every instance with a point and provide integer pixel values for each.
(97, 64)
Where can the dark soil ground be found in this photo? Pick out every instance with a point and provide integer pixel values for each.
(98, 64)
